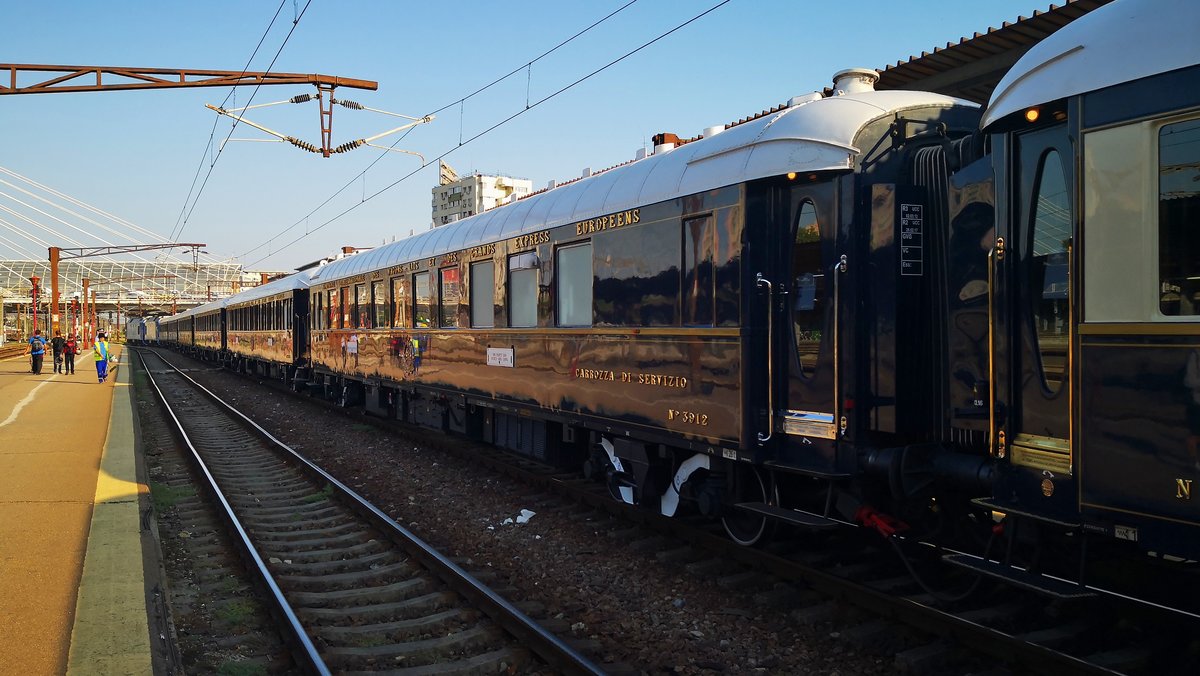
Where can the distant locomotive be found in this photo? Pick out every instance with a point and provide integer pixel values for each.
(142, 330)
(865, 307)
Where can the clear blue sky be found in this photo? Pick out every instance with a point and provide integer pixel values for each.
(136, 154)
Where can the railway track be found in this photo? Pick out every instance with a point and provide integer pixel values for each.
(1008, 628)
(352, 589)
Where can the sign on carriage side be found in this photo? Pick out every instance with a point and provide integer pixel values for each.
(912, 245)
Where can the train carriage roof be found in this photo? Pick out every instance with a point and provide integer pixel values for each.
(1121, 42)
(275, 287)
(814, 134)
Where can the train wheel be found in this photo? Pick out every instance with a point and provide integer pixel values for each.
(743, 527)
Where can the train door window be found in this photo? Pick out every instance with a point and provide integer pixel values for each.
(422, 300)
(362, 306)
(522, 290)
(1049, 282)
(808, 288)
(483, 295)
(399, 302)
(573, 270)
(379, 301)
(449, 292)
(1179, 218)
(699, 286)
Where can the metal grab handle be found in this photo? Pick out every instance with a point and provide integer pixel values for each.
(838, 267)
(763, 281)
(993, 256)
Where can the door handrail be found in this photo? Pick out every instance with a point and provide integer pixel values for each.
(760, 280)
(837, 270)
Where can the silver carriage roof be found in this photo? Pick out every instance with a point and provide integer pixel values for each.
(293, 282)
(299, 280)
(811, 134)
(1121, 42)
(198, 310)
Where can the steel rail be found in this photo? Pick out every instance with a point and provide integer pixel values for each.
(302, 646)
(544, 643)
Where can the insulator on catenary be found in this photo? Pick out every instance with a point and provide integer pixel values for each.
(349, 145)
(352, 105)
(301, 98)
(303, 145)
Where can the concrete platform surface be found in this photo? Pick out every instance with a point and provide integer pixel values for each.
(70, 542)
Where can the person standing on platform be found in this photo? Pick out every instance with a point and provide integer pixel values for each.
(37, 352)
(70, 349)
(56, 344)
(102, 355)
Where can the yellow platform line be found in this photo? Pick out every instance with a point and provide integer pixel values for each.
(111, 633)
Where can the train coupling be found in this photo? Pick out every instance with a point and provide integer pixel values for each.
(884, 524)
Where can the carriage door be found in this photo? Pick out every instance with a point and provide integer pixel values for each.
(806, 320)
(1035, 311)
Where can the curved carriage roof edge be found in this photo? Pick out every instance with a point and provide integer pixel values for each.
(816, 135)
(1117, 43)
(293, 282)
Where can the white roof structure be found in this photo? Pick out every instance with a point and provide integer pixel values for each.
(293, 282)
(814, 134)
(298, 280)
(1120, 42)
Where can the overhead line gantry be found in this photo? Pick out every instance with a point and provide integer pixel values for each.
(117, 78)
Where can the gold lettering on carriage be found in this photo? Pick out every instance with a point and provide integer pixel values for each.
(1183, 489)
(678, 382)
(404, 267)
(595, 374)
(609, 222)
(528, 241)
(485, 251)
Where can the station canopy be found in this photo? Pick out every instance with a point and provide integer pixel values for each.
(971, 68)
(155, 285)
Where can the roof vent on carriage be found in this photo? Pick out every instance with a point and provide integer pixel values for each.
(664, 142)
(854, 81)
(710, 132)
(804, 98)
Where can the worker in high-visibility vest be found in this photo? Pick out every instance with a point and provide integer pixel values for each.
(102, 355)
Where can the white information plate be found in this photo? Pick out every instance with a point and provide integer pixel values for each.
(500, 356)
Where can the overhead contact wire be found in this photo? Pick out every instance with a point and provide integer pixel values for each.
(499, 124)
(176, 235)
(457, 102)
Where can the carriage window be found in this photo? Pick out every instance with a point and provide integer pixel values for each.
(362, 306)
(483, 295)
(345, 301)
(574, 272)
(699, 252)
(334, 312)
(399, 302)
(1179, 218)
(1049, 281)
(422, 300)
(379, 301)
(808, 289)
(449, 292)
(522, 290)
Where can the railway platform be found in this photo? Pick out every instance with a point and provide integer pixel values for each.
(73, 594)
